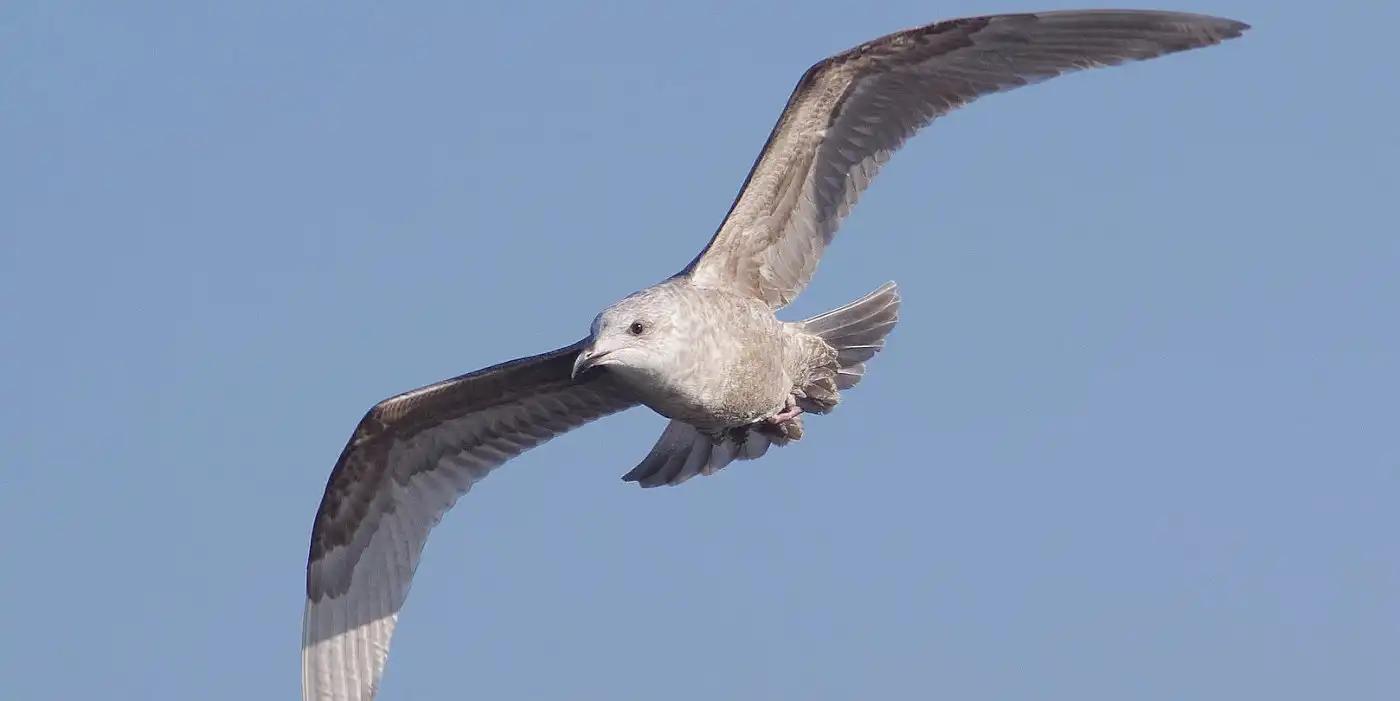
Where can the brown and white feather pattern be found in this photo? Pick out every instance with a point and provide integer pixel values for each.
(851, 112)
(407, 463)
(414, 455)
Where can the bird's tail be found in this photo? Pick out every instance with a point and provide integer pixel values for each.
(857, 331)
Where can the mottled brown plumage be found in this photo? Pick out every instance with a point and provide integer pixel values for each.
(707, 350)
(851, 112)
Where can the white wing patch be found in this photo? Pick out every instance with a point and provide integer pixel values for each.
(345, 641)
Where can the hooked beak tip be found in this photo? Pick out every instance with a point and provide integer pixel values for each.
(582, 361)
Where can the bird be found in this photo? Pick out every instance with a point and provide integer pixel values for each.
(703, 348)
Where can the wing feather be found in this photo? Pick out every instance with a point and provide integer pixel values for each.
(407, 463)
(851, 112)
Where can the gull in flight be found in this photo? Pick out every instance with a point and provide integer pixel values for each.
(702, 348)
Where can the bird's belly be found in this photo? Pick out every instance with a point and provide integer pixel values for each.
(707, 417)
(737, 401)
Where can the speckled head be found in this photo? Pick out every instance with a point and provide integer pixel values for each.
(637, 335)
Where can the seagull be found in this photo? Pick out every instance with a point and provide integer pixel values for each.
(703, 348)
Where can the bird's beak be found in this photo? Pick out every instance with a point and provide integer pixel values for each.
(587, 358)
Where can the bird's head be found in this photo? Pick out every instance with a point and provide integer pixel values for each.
(634, 337)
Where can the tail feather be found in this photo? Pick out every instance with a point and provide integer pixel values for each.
(851, 355)
(879, 306)
(872, 334)
(857, 331)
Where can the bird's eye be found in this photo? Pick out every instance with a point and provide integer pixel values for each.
(637, 328)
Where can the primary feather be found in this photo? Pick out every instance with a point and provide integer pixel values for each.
(851, 112)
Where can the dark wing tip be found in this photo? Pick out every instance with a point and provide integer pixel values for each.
(1190, 30)
(1231, 27)
(1216, 28)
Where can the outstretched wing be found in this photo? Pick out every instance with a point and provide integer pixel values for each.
(851, 112)
(408, 461)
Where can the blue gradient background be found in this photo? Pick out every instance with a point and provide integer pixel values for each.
(1135, 437)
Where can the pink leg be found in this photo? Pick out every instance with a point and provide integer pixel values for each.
(790, 411)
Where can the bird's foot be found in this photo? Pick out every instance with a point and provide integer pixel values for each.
(781, 433)
(784, 426)
(790, 411)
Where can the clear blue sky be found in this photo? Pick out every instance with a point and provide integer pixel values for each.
(1135, 437)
